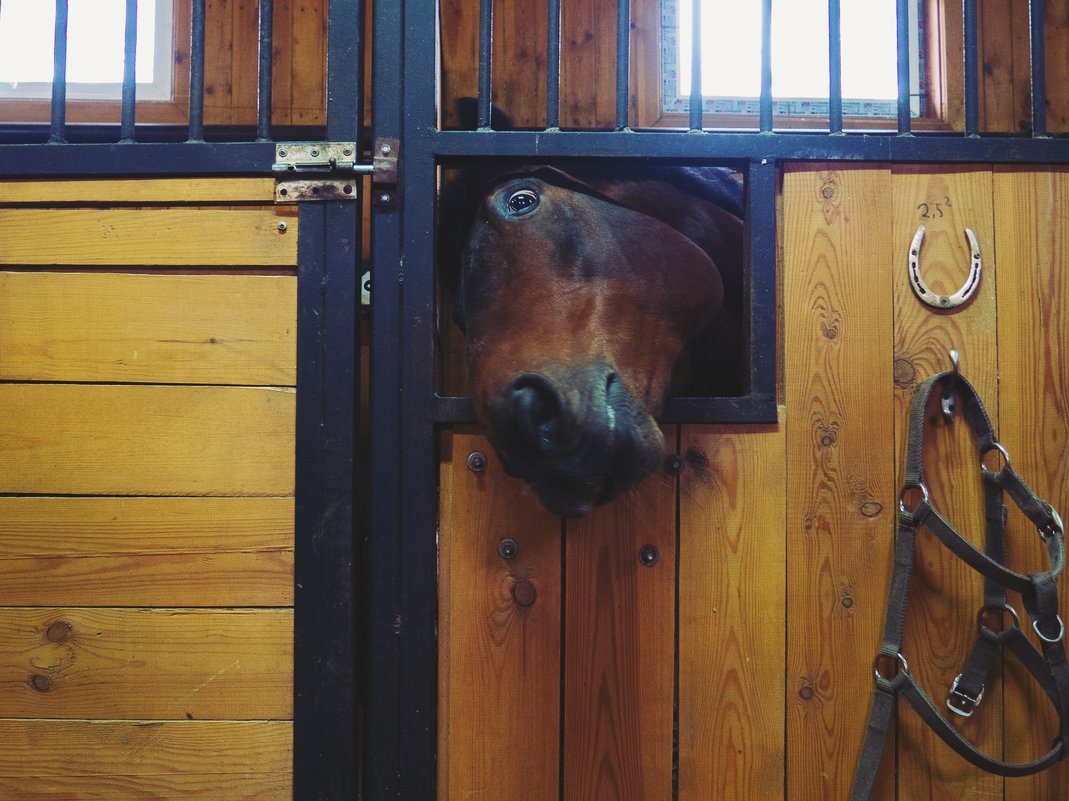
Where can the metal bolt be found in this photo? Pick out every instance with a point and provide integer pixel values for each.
(649, 556)
(508, 548)
(281, 153)
(476, 461)
(385, 149)
(315, 152)
(348, 189)
(347, 152)
(282, 227)
(385, 197)
(674, 464)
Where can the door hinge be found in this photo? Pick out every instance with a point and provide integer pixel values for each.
(328, 171)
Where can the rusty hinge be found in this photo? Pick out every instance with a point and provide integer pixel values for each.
(327, 171)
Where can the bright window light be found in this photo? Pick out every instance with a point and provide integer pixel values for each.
(731, 54)
(96, 31)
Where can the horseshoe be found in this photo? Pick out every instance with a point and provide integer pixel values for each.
(924, 292)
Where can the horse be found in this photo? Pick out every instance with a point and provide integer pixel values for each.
(589, 293)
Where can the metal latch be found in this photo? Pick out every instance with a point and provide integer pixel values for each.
(327, 171)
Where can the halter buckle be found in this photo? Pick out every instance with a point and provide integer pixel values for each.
(1053, 528)
(961, 703)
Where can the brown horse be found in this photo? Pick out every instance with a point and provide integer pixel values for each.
(587, 296)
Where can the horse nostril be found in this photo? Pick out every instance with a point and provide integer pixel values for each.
(536, 405)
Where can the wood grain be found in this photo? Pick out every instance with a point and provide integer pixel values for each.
(200, 329)
(945, 594)
(840, 464)
(139, 760)
(1032, 217)
(732, 612)
(146, 440)
(159, 664)
(185, 236)
(26, 191)
(619, 644)
(499, 633)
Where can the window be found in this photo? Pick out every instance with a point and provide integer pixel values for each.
(95, 36)
(731, 62)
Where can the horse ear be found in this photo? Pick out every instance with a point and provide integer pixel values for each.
(468, 114)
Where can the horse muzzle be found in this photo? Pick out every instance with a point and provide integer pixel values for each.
(577, 436)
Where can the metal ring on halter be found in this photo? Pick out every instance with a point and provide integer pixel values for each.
(1056, 638)
(925, 293)
(995, 446)
(902, 496)
(903, 665)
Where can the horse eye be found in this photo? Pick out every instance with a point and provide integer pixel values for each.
(521, 202)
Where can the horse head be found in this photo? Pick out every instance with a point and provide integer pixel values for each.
(579, 291)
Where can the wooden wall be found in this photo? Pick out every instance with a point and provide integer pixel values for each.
(740, 665)
(147, 389)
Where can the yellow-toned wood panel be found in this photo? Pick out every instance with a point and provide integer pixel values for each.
(158, 664)
(148, 190)
(146, 440)
(159, 237)
(944, 594)
(619, 648)
(499, 632)
(199, 329)
(840, 464)
(1032, 218)
(133, 761)
(732, 612)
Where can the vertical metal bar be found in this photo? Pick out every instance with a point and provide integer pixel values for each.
(58, 132)
(553, 67)
(129, 77)
(761, 233)
(765, 101)
(623, 61)
(325, 571)
(835, 69)
(972, 91)
(904, 121)
(486, 54)
(696, 66)
(1036, 29)
(263, 92)
(196, 73)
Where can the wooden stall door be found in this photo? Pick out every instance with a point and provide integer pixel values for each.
(147, 395)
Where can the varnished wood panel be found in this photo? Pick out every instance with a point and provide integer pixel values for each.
(200, 329)
(146, 440)
(840, 464)
(499, 632)
(1032, 218)
(619, 644)
(187, 237)
(147, 190)
(174, 664)
(944, 593)
(732, 612)
(139, 760)
(146, 551)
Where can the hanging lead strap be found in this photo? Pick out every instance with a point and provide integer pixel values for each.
(1048, 664)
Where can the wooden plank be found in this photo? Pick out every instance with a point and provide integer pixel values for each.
(1033, 246)
(944, 594)
(459, 21)
(218, 55)
(1056, 18)
(132, 761)
(146, 551)
(244, 68)
(25, 191)
(309, 26)
(282, 63)
(499, 633)
(588, 65)
(199, 329)
(158, 664)
(146, 440)
(619, 657)
(732, 612)
(519, 70)
(188, 236)
(840, 464)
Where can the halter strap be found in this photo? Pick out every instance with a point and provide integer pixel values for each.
(1048, 664)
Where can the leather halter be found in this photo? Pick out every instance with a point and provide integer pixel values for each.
(1047, 665)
